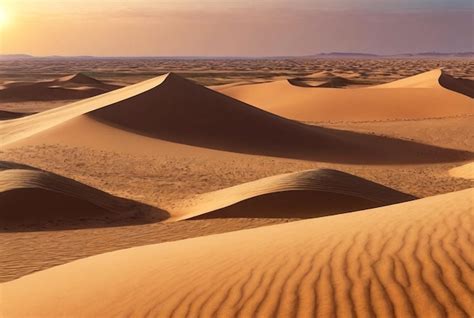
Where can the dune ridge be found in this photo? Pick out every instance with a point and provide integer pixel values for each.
(418, 97)
(174, 109)
(322, 79)
(404, 260)
(308, 193)
(31, 198)
(434, 79)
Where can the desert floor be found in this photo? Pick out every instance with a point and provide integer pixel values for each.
(396, 259)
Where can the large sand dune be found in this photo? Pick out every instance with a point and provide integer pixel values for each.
(432, 94)
(32, 199)
(405, 260)
(304, 194)
(174, 109)
(76, 86)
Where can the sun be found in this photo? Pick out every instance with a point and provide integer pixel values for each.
(3, 17)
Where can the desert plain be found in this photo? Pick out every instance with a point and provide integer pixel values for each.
(237, 187)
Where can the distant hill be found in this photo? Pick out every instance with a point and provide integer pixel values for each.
(345, 55)
(407, 55)
(4, 57)
(354, 55)
(437, 54)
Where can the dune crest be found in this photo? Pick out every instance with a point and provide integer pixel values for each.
(434, 79)
(321, 79)
(310, 193)
(418, 97)
(405, 260)
(35, 199)
(174, 109)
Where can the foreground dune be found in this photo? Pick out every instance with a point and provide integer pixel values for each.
(304, 194)
(174, 109)
(422, 96)
(34, 199)
(405, 260)
(77, 86)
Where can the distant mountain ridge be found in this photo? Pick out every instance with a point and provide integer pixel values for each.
(8, 57)
(371, 55)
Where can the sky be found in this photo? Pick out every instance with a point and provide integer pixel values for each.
(234, 27)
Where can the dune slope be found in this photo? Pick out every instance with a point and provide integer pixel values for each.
(405, 260)
(174, 109)
(303, 194)
(33, 199)
(418, 97)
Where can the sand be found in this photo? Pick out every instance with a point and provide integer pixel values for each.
(215, 165)
(418, 97)
(465, 171)
(403, 260)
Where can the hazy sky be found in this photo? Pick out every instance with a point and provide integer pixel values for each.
(234, 27)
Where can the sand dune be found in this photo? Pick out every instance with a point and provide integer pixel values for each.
(36, 199)
(422, 96)
(304, 194)
(174, 109)
(5, 114)
(77, 86)
(405, 260)
(465, 171)
(425, 80)
(321, 79)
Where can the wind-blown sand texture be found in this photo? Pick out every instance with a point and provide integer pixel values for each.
(304, 194)
(410, 259)
(34, 199)
(419, 97)
(174, 109)
(69, 87)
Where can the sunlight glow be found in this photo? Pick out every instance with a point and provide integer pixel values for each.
(3, 17)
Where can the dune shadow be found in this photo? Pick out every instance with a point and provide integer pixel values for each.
(291, 204)
(35, 200)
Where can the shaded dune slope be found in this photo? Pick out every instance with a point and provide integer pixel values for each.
(35, 199)
(75, 86)
(5, 115)
(406, 260)
(303, 194)
(174, 109)
(418, 97)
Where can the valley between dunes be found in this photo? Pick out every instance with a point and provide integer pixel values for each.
(165, 197)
